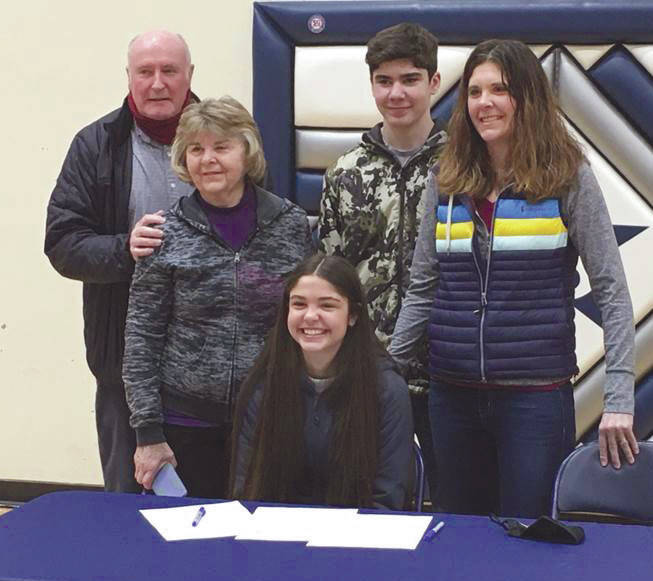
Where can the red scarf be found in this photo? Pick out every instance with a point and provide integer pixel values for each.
(161, 130)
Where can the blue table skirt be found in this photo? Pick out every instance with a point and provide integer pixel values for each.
(93, 536)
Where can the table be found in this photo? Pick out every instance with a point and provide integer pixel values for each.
(93, 535)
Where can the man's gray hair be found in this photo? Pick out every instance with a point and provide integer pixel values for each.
(161, 33)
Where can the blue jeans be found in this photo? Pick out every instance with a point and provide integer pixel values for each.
(498, 450)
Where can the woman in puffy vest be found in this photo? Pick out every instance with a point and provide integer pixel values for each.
(513, 204)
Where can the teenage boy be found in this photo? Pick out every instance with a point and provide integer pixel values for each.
(373, 196)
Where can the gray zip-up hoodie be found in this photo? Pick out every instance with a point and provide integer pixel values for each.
(199, 311)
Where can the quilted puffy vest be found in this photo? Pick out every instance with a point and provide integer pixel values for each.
(506, 313)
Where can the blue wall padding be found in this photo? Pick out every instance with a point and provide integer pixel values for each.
(273, 60)
(308, 184)
(624, 233)
(444, 107)
(643, 425)
(629, 86)
(309, 190)
(280, 26)
(469, 21)
(586, 304)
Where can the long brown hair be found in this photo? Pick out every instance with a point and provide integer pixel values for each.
(544, 158)
(278, 460)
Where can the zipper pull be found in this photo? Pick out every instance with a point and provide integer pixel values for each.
(483, 304)
(237, 257)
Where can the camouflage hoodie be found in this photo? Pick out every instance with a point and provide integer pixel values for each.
(370, 213)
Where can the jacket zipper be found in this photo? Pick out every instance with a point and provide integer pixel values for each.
(206, 229)
(484, 286)
(232, 376)
(400, 233)
(485, 283)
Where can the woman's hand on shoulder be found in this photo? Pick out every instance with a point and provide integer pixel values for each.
(615, 435)
(148, 461)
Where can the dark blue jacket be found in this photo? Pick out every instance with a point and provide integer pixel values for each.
(87, 235)
(395, 473)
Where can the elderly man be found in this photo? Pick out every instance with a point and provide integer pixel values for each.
(115, 182)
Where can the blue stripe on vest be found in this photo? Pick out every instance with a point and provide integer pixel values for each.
(513, 208)
(459, 214)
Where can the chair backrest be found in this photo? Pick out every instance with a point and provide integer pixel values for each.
(420, 478)
(585, 490)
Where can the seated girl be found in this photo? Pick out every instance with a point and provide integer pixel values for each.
(323, 417)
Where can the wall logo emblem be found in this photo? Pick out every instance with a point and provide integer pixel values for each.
(316, 23)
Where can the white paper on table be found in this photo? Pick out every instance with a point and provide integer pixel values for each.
(224, 519)
(376, 531)
(280, 523)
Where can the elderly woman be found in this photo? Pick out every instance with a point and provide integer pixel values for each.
(201, 304)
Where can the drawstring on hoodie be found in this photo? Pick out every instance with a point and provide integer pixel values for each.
(448, 229)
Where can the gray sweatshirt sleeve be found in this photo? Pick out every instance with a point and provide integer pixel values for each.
(150, 305)
(424, 275)
(591, 232)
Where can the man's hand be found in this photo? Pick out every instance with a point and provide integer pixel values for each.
(144, 238)
(616, 433)
(149, 459)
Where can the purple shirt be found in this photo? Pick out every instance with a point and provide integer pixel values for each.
(485, 209)
(234, 225)
(180, 419)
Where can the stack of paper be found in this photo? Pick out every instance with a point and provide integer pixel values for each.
(280, 523)
(332, 527)
(318, 527)
(376, 531)
(225, 519)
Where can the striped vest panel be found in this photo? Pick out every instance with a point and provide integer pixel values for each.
(522, 327)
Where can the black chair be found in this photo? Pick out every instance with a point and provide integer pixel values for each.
(420, 478)
(585, 490)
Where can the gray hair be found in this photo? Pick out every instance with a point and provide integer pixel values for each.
(156, 33)
(226, 118)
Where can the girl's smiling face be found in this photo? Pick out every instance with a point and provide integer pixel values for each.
(318, 317)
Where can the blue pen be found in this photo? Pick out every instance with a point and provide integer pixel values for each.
(198, 517)
(430, 535)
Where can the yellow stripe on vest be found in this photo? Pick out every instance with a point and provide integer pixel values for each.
(460, 238)
(528, 227)
(459, 230)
